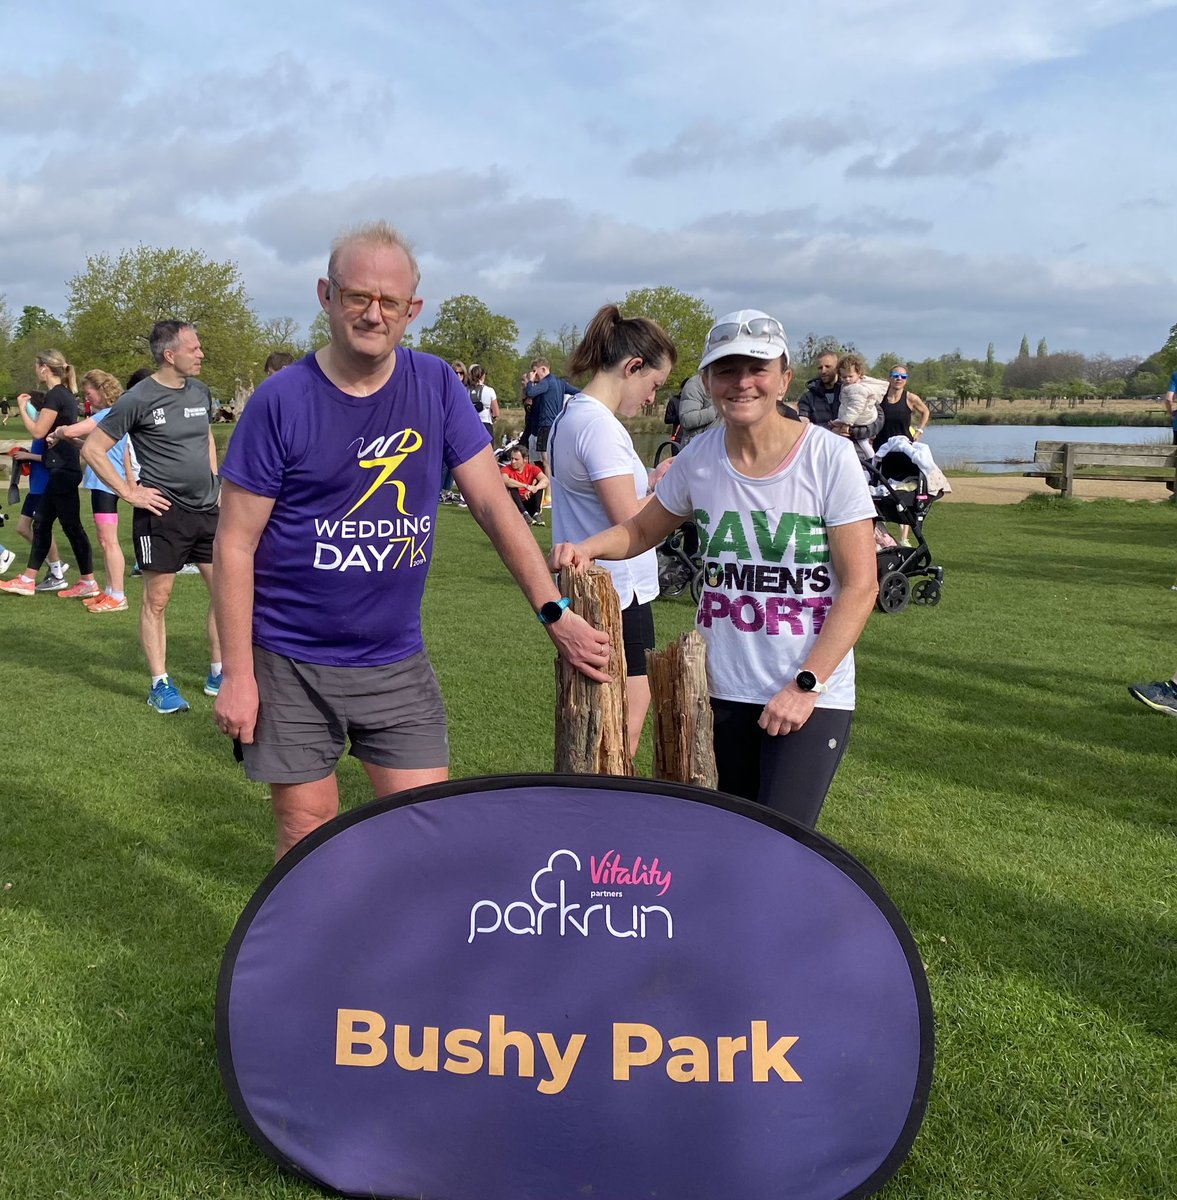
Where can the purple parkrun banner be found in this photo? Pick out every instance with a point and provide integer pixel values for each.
(553, 987)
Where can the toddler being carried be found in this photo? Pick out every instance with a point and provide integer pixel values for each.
(859, 399)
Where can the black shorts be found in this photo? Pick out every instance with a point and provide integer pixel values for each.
(167, 541)
(637, 634)
(103, 502)
(541, 438)
(31, 503)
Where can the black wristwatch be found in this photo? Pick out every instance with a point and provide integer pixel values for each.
(807, 681)
(552, 611)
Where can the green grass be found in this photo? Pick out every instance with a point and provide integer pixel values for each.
(1013, 799)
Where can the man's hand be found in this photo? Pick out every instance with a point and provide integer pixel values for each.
(145, 497)
(788, 710)
(568, 554)
(840, 428)
(581, 646)
(235, 708)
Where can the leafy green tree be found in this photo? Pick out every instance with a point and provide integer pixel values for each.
(685, 318)
(466, 329)
(1042, 351)
(1024, 348)
(281, 333)
(115, 301)
(319, 333)
(990, 362)
(36, 320)
(883, 364)
(36, 330)
(968, 383)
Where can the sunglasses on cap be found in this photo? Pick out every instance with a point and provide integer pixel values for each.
(898, 374)
(763, 328)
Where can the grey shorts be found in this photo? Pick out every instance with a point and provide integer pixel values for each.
(392, 715)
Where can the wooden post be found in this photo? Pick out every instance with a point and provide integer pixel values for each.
(684, 733)
(1068, 469)
(592, 719)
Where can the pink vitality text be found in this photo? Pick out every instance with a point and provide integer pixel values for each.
(609, 869)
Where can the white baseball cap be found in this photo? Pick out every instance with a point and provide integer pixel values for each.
(748, 331)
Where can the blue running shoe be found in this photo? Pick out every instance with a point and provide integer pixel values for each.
(165, 698)
(212, 685)
(1160, 697)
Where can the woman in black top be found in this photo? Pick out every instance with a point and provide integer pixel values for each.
(905, 415)
(60, 501)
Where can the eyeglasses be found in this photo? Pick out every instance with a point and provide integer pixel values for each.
(761, 328)
(356, 302)
(898, 375)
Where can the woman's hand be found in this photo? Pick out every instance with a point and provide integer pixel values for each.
(568, 554)
(788, 710)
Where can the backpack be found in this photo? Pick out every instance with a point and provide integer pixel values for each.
(671, 415)
(476, 397)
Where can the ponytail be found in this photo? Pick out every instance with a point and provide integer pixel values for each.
(611, 338)
(55, 361)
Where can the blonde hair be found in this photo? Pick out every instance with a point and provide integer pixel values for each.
(104, 383)
(459, 368)
(374, 233)
(54, 360)
(854, 361)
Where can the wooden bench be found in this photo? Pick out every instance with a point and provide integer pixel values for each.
(1061, 463)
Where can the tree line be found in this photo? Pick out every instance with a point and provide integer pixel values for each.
(114, 302)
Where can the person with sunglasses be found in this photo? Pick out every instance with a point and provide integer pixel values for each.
(786, 533)
(904, 413)
(328, 511)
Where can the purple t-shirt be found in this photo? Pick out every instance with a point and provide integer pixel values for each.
(340, 568)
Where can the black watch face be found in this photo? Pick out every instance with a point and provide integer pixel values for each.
(806, 681)
(551, 612)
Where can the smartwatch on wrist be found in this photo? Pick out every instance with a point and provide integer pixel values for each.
(807, 681)
(552, 611)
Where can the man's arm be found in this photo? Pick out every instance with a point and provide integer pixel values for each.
(94, 453)
(243, 517)
(579, 644)
(1170, 404)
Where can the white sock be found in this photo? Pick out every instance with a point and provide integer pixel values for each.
(157, 679)
(55, 569)
(215, 668)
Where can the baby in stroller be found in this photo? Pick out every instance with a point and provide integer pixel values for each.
(905, 482)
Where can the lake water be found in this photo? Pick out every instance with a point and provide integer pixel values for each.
(994, 448)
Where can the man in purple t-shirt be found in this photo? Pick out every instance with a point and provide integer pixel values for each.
(329, 498)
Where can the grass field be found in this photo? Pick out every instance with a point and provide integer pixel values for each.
(1016, 803)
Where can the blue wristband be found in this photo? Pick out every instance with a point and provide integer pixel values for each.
(552, 611)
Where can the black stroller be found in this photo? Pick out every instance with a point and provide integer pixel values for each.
(680, 566)
(902, 496)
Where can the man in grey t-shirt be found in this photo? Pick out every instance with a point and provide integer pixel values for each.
(175, 499)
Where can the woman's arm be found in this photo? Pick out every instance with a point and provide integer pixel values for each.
(79, 429)
(921, 411)
(45, 418)
(647, 528)
(852, 550)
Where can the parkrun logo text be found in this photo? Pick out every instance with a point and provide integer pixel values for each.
(550, 911)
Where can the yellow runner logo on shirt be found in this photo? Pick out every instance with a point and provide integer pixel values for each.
(385, 455)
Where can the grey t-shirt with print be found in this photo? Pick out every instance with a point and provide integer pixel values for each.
(169, 431)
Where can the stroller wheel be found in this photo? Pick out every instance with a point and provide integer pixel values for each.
(926, 591)
(894, 592)
(697, 585)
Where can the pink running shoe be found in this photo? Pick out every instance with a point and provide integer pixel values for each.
(19, 587)
(80, 590)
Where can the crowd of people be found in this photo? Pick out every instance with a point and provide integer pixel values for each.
(340, 460)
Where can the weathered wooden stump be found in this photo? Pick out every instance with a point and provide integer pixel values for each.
(684, 732)
(592, 718)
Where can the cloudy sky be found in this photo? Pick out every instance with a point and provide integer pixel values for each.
(916, 176)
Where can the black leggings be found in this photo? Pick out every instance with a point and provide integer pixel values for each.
(788, 773)
(61, 502)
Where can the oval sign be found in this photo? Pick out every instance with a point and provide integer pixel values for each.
(569, 987)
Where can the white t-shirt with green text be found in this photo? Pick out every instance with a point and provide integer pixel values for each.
(768, 581)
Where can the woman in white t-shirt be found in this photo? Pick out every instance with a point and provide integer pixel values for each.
(484, 398)
(597, 477)
(786, 533)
